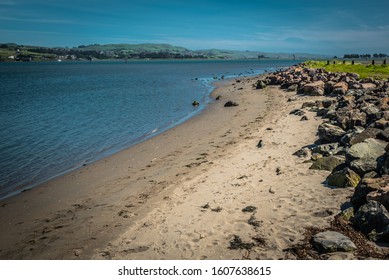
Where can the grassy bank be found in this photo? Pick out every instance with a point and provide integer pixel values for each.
(364, 71)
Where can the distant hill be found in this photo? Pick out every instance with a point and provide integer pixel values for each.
(258, 54)
(12, 51)
(134, 48)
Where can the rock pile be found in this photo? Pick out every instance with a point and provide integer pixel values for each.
(353, 140)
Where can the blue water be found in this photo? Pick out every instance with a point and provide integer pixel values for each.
(55, 117)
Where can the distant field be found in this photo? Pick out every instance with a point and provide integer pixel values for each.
(363, 68)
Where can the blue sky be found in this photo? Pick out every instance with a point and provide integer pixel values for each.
(322, 27)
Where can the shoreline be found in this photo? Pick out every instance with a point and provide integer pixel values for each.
(39, 178)
(180, 195)
(73, 189)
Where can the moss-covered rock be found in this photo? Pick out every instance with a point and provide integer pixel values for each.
(345, 178)
(327, 163)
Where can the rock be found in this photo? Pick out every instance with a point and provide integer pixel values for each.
(260, 84)
(344, 178)
(326, 149)
(313, 89)
(231, 104)
(327, 163)
(332, 241)
(366, 186)
(381, 123)
(371, 174)
(369, 132)
(368, 86)
(345, 140)
(385, 166)
(366, 156)
(297, 112)
(384, 134)
(309, 104)
(340, 88)
(347, 101)
(381, 195)
(293, 87)
(373, 113)
(384, 103)
(249, 209)
(322, 112)
(304, 118)
(315, 157)
(329, 87)
(347, 213)
(373, 220)
(304, 152)
(330, 133)
(348, 119)
(327, 103)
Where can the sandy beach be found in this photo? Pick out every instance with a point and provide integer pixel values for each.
(180, 195)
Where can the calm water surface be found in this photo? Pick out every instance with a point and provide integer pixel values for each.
(55, 117)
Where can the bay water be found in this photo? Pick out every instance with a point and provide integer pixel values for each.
(58, 116)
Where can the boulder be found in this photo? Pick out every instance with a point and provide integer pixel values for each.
(332, 241)
(373, 113)
(328, 87)
(327, 163)
(340, 88)
(381, 195)
(303, 153)
(385, 167)
(313, 89)
(384, 134)
(343, 178)
(350, 118)
(293, 87)
(368, 86)
(309, 104)
(347, 213)
(381, 124)
(326, 149)
(297, 112)
(327, 103)
(366, 186)
(345, 140)
(260, 84)
(369, 132)
(231, 104)
(384, 103)
(330, 133)
(366, 156)
(372, 219)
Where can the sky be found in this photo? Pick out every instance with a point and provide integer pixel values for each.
(332, 27)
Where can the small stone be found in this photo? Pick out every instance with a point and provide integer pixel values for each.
(249, 209)
(304, 118)
(231, 104)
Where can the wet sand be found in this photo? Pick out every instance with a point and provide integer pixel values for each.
(180, 194)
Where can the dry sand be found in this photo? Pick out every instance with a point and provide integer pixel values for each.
(180, 194)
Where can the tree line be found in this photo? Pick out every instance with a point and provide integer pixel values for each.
(376, 55)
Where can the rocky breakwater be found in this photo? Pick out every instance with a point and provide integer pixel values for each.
(353, 139)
